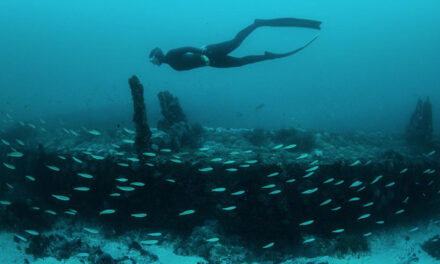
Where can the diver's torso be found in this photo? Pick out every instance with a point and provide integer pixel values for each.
(186, 61)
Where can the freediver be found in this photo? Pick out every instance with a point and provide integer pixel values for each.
(216, 55)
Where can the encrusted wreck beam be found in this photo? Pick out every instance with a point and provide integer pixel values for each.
(143, 133)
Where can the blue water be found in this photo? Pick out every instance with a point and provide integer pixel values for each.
(372, 61)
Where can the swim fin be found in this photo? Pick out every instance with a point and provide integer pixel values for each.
(288, 22)
(271, 55)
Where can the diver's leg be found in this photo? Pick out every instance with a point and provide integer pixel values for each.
(226, 47)
(288, 22)
(229, 61)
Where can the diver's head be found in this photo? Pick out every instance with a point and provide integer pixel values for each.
(156, 56)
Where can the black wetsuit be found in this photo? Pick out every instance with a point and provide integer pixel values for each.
(187, 58)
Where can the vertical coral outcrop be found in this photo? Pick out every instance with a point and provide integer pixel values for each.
(175, 123)
(419, 131)
(143, 133)
(171, 111)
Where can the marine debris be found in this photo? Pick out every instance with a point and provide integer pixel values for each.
(420, 128)
(143, 133)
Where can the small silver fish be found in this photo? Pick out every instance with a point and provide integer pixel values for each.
(278, 146)
(238, 193)
(15, 154)
(401, 211)
(290, 146)
(149, 242)
(271, 244)
(220, 189)
(107, 211)
(165, 150)
(85, 175)
(131, 132)
(187, 212)
(275, 192)
(32, 232)
(94, 132)
(273, 174)
(82, 189)
(339, 182)
(310, 240)
(355, 184)
(61, 197)
(364, 216)
(97, 157)
(310, 191)
(139, 215)
(91, 230)
(356, 163)
(154, 234)
(303, 156)
(328, 181)
(77, 160)
(377, 179)
(314, 168)
(5, 203)
(138, 184)
(308, 174)
(306, 223)
(125, 188)
(326, 202)
(390, 184)
(354, 199)
(9, 166)
(54, 168)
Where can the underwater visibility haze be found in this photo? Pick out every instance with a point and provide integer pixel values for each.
(219, 131)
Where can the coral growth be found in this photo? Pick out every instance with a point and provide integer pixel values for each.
(419, 131)
(143, 133)
(175, 123)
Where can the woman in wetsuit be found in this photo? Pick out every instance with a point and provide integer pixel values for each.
(216, 55)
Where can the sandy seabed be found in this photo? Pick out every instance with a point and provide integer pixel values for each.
(397, 245)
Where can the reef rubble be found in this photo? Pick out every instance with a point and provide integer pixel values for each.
(256, 194)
